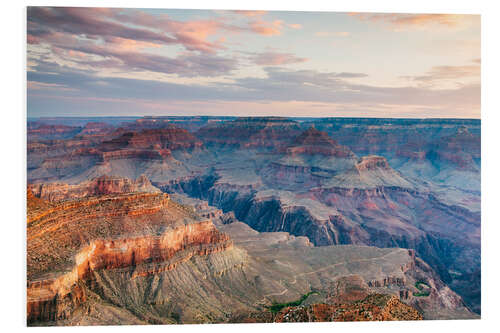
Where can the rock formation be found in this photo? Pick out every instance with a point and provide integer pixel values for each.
(171, 138)
(406, 183)
(98, 186)
(312, 142)
(50, 132)
(96, 129)
(144, 255)
(251, 132)
(375, 307)
(68, 242)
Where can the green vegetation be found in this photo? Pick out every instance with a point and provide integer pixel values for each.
(422, 294)
(276, 307)
(176, 317)
(379, 300)
(420, 285)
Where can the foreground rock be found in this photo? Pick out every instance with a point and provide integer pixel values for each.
(347, 273)
(375, 307)
(139, 234)
(135, 258)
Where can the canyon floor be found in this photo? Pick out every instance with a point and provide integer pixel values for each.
(208, 220)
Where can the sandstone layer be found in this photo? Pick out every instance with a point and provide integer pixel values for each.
(98, 186)
(143, 233)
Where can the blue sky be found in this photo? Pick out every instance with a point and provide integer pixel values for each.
(98, 61)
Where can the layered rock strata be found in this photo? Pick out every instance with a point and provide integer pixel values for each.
(98, 186)
(143, 233)
(375, 307)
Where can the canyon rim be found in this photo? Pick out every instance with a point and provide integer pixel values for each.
(197, 166)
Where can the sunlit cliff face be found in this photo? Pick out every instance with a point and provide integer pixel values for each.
(51, 294)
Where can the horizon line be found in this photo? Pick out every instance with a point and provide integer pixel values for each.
(235, 116)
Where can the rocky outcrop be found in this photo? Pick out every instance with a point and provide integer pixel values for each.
(372, 163)
(147, 151)
(347, 289)
(142, 255)
(50, 132)
(266, 213)
(202, 208)
(461, 150)
(70, 241)
(251, 132)
(141, 154)
(310, 160)
(149, 144)
(374, 307)
(56, 146)
(385, 136)
(96, 129)
(314, 142)
(393, 212)
(171, 138)
(98, 186)
(354, 272)
(289, 176)
(369, 172)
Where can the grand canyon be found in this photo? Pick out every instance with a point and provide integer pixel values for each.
(167, 220)
(197, 166)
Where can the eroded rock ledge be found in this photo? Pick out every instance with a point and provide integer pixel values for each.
(62, 258)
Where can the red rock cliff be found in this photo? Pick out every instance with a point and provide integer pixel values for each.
(141, 232)
(313, 142)
(98, 186)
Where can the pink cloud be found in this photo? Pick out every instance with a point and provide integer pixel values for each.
(125, 44)
(186, 65)
(275, 59)
(132, 30)
(295, 26)
(191, 34)
(77, 54)
(108, 24)
(267, 28)
(250, 13)
(456, 74)
(415, 20)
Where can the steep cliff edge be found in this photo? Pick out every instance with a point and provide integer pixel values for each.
(130, 258)
(446, 236)
(121, 153)
(313, 142)
(307, 161)
(98, 186)
(143, 233)
(171, 138)
(347, 274)
(251, 132)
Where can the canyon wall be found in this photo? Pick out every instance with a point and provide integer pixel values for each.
(67, 244)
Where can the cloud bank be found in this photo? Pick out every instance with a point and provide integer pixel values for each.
(105, 60)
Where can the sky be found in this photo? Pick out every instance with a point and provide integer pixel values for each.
(135, 62)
